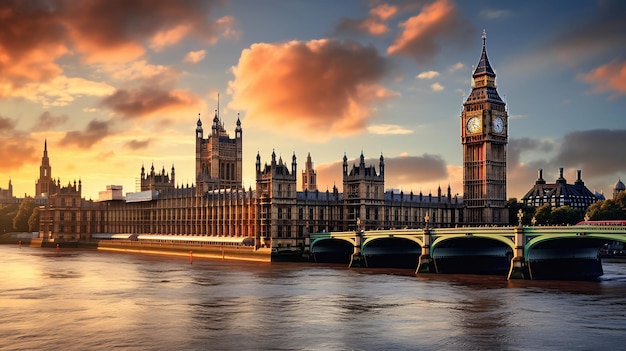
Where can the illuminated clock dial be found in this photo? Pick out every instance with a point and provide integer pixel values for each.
(498, 125)
(473, 125)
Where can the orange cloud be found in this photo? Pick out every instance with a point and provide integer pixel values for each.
(374, 24)
(369, 25)
(61, 90)
(384, 11)
(31, 42)
(326, 87)
(609, 77)
(195, 56)
(169, 36)
(421, 33)
(16, 147)
(40, 32)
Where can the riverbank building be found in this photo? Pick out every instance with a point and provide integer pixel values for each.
(276, 214)
(6, 195)
(560, 193)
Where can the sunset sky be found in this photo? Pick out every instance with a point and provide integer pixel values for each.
(113, 85)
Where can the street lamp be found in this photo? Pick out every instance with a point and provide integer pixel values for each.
(520, 215)
(426, 219)
(533, 221)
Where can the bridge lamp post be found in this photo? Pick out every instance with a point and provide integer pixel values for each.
(520, 215)
(533, 221)
(425, 263)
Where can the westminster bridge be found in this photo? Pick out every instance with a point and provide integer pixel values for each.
(519, 252)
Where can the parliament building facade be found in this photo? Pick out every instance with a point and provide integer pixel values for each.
(276, 214)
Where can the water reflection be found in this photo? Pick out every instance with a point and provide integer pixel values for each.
(99, 301)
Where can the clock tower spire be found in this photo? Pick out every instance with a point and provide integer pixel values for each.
(484, 136)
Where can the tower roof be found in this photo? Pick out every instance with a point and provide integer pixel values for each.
(484, 67)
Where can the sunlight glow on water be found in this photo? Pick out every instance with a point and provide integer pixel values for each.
(81, 300)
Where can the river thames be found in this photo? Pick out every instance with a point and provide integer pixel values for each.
(90, 300)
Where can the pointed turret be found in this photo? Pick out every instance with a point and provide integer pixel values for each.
(484, 67)
(199, 131)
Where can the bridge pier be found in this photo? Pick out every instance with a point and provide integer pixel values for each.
(519, 268)
(357, 260)
(425, 263)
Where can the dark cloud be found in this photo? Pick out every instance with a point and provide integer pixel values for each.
(7, 125)
(143, 101)
(138, 144)
(407, 170)
(518, 146)
(594, 34)
(47, 121)
(598, 153)
(423, 35)
(93, 133)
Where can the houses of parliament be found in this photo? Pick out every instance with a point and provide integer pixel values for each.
(278, 214)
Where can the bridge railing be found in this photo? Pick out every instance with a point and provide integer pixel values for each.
(472, 230)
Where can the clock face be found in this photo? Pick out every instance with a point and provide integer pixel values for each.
(473, 125)
(498, 125)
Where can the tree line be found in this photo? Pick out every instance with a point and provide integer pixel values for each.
(610, 209)
(22, 217)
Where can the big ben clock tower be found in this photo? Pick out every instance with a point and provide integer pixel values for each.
(484, 136)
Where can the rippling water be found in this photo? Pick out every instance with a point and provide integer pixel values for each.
(88, 300)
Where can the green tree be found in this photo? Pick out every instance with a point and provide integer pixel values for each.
(7, 213)
(605, 210)
(33, 220)
(564, 215)
(20, 221)
(543, 214)
(620, 200)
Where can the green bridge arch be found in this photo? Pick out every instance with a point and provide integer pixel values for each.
(545, 252)
(506, 240)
